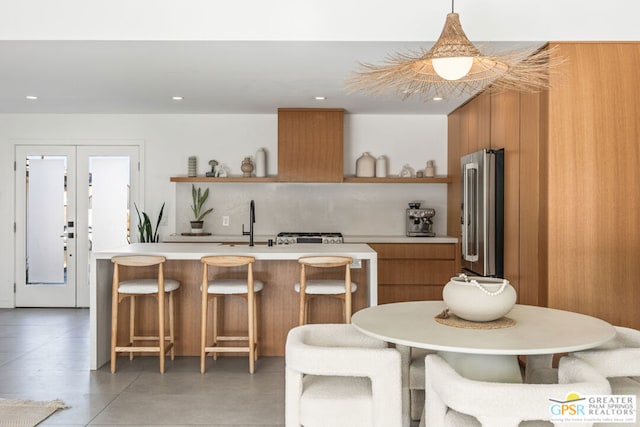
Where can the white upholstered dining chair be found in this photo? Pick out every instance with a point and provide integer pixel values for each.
(455, 401)
(336, 376)
(619, 361)
(413, 363)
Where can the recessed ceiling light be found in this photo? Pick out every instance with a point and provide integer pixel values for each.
(31, 97)
(438, 98)
(321, 98)
(177, 98)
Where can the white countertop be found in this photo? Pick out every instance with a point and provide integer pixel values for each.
(191, 251)
(264, 238)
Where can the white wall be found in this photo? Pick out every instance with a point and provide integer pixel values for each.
(170, 139)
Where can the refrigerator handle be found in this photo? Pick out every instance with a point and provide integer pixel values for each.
(470, 212)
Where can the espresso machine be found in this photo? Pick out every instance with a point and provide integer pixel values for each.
(419, 222)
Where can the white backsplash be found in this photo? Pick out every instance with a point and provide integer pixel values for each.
(353, 209)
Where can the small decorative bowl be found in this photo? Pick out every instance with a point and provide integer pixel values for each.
(479, 299)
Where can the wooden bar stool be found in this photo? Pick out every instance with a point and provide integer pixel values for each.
(153, 287)
(333, 288)
(218, 288)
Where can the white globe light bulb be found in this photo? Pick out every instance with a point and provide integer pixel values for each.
(453, 68)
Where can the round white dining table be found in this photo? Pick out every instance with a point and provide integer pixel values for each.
(482, 354)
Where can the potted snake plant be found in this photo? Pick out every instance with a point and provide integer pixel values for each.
(199, 198)
(146, 232)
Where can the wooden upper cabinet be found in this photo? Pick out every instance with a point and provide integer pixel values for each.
(310, 145)
(475, 124)
(463, 129)
(505, 119)
(480, 122)
(454, 170)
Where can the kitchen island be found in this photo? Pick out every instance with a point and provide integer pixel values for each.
(276, 266)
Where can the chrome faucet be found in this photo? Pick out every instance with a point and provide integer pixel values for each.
(252, 220)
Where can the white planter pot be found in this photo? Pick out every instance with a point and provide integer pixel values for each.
(197, 227)
(479, 299)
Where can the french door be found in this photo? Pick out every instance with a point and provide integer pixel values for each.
(70, 201)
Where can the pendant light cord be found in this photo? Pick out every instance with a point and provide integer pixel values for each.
(452, 5)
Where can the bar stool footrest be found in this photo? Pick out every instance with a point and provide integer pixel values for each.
(145, 349)
(226, 349)
(230, 338)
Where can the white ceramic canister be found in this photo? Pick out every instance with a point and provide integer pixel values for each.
(479, 299)
(366, 166)
(261, 163)
(381, 167)
(430, 169)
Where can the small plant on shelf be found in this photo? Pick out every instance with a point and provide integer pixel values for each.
(199, 198)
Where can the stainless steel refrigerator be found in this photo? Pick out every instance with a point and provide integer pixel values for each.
(483, 213)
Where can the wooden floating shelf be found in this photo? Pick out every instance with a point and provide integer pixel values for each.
(347, 179)
(225, 179)
(398, 180)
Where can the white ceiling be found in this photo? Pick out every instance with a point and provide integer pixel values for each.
(123, 56)
(235, 77)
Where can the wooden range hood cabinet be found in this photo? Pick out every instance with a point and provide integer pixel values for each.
(310, 145)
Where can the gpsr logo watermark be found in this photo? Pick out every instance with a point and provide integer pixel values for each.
(594, 408)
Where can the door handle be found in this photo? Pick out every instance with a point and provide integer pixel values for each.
(470, 212)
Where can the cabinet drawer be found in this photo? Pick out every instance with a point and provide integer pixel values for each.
(414, 250)
(415, 272)
(390, 294)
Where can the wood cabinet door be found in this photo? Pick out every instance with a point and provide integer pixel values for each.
(310, 145)
(480, 122)
(454, 188)
(414, 271)
(469, 129)
(474, 129)
(505, 133)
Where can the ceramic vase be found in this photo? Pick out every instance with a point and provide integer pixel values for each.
(246, 167)
(192, 167)
(479, 299)
(430, 169)
(261, 163)
(366, 166)
(381, 167)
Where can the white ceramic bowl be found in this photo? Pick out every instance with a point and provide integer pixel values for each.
(479, 299)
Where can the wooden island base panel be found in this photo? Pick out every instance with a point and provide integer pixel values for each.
(277, 302)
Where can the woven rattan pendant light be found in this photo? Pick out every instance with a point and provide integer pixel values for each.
(454, 66)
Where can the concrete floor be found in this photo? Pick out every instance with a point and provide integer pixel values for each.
(44, 355)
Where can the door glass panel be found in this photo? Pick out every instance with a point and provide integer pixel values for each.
(46, 262)
(108, 202)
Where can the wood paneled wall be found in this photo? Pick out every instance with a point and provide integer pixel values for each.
(533, 286)
(572, 234)
(593, 158)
